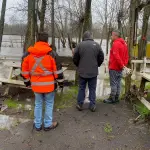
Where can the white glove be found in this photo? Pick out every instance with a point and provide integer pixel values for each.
(126, 71)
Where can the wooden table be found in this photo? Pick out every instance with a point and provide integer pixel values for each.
(145, 78)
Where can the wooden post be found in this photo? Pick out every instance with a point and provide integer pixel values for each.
(144, 64)
(142, 86)
(59, 43)
(2, 20)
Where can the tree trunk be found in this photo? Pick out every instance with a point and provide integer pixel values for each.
(80, 32)
(88, 17)
(131, 35)
(42, 15)
(143, 41)
(102, 36)
(2, 21)
(106, 26)
(30, 33)
(120, 15)
(36, 19)
(33, 22)
(63, 41)
(53, 25)
(69, 41)
(107, 42)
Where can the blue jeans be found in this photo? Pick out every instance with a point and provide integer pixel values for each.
(92, 82)
(115, 82)
(49, 103)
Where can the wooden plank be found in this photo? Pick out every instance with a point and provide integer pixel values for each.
(9, 81)
(146, 76)
(137, 61)
(145, 102)
(140, 61)
(10, 73)
(12, 64)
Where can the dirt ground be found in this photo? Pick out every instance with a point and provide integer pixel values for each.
(111, 127)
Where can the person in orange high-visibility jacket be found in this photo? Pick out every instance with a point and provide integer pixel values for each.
(40, 69)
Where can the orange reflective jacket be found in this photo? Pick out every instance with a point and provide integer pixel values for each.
(40, 68)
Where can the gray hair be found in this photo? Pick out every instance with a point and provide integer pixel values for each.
(117, 33)
(87, 35)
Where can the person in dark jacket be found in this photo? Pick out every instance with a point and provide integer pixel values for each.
(117, 62)
(88, 56)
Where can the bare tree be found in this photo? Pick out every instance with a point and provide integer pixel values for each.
(143, 41)
(42, 15)
(135, 7)
(30, 33)
(88, 17)
(2, 20)
(53, 23)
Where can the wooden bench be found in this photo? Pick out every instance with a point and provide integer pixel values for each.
(10, 80)
(15, 65)
(145, 78)
(144, 62)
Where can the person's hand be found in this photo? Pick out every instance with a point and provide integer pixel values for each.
(126, 71)
(27, 84)
(60, 83)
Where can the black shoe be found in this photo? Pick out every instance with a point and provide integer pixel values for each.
(53, 126)
(37, 129)
(92, 108)
(117, 99)
(110, 100)
(79, 107)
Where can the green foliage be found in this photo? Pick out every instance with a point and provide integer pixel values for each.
(108, 128)
(142, 110)
(11, 103)
(147, 86)
(66, 99)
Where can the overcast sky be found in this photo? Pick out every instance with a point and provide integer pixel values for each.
(9, 10)
(12, 15)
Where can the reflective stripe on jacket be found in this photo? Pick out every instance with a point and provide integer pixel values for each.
(40, 68)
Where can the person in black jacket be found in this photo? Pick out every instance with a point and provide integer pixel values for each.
(88, 56)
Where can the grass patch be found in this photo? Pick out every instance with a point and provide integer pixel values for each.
(107, 80)
(108, 128)
(99, 100)
(11, 103)
(31, 114)
(67, 99)
(142, 110)
(147, 86)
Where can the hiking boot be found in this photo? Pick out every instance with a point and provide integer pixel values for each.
(53, 126)
(37, 129)
(117, 99)
(110, 100)
(92, 108)
(79, 107)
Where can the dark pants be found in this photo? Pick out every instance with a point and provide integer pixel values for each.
(92, 90)
(115, 82)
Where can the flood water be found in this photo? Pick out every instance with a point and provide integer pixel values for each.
(6, 122)
(12, 48)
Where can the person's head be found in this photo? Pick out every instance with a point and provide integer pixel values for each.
(115, 35)
(43, 37)
(87, 35)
